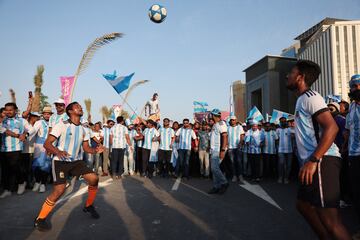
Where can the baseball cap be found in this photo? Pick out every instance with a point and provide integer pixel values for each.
(37, 114)
(60, 101)
(355, 79)
(216, 112)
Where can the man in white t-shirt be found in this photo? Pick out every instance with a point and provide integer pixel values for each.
(152, 108)
(319, 158)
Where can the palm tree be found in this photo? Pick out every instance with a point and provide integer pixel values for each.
(38, 82)
(88, 108)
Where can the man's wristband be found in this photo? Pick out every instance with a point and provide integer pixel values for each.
(314, 159)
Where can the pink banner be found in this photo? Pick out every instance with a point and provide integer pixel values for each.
(66, 88)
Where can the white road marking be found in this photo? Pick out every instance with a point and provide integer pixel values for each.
(260, 192)
(83, 191)
(195, 189)
(176, 184)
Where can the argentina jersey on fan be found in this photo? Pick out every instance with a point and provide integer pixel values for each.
(307, 130)
(70, 138)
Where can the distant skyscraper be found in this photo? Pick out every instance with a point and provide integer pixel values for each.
(334, 44)
(239, 100)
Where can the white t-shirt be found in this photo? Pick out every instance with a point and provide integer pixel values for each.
(307, 129)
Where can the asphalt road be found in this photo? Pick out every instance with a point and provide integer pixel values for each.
(140, 208)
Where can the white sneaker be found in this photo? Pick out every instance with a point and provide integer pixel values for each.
(234, 179)
(36, 187)
(42, 188)
(132, 173)
(21, 188)
(241, 178)
(5, 194)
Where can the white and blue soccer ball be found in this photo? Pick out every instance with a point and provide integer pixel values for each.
(157, 13)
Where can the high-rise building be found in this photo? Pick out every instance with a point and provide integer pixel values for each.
(266, 85)
(239, 100)
(334, 44)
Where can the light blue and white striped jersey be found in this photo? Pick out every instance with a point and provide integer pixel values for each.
(254, 140)
(166, 135)
(139, 143)
(270, 138)
(353, 125)
(307, 130)
(234, 134)
(41, 129)
(55, 119)
(118, 133)
(132, 134)
(285, 143)
(149, 134)
(17, 125)
(185, 135)
(106, 134)
(215, 136)
(70, 139)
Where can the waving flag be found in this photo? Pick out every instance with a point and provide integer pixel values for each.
(67, 84)
(110, 76)
(255, 114)
(200, 107)
(276, 115)
(332, 98)
(120, 84)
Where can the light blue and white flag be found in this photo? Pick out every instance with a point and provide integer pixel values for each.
(276, 115)
(255, 114)
(332, 98)
(120, 84)
(110, 76)
(200, 106)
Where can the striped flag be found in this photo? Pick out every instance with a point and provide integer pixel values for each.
(255, 114)
(120, 84)
(200, 107)
(276, 115)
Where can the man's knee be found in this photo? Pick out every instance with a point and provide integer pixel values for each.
(92, 179)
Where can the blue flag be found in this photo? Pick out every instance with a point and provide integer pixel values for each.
(255, 114)
(110, 76)
(200, 107)
(120, 84)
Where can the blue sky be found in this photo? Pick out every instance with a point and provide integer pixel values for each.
(201, 48)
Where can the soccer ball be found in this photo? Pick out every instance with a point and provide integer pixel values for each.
(157, 13)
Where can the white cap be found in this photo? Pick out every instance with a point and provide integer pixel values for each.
(35, 114)
(60, 101)
(233, 117)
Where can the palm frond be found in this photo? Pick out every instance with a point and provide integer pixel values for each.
(88, 105)
(132, 87)
(93, 47)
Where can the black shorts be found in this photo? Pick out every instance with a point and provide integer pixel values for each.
(61, 170)
(324, 192)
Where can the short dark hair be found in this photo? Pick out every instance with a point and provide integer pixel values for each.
(166, 119)
(11, 104)
(310, 69)
(70, 107)
(110, 120)
(2, 109)
(346, 105)
(186, 120)
(151, 122)
(119, 119)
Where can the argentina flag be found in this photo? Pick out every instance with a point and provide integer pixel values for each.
(255, 114)
(276, 115)
(120, 84)
(200, 106)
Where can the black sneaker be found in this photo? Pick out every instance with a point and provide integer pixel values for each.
(41, 225)
(90, 209)
(213, 190)
(223, 188)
